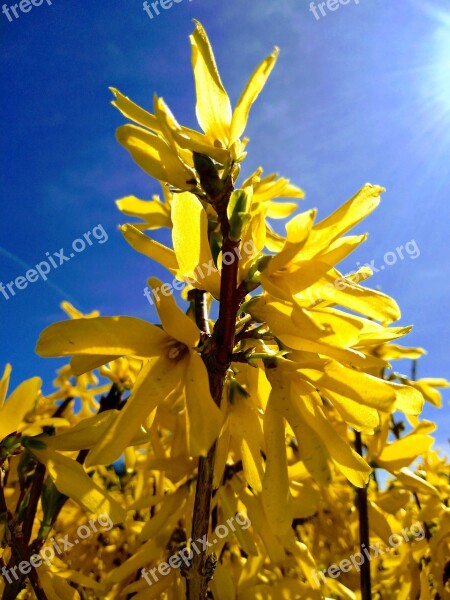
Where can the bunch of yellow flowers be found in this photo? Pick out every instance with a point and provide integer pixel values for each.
(255, 456)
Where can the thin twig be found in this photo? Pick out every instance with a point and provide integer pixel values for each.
(217, 358)
(19, 547)
(364, 539)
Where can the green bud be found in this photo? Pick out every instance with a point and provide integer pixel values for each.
(51, 501)
(208, 175)
(33, 443)
(258, 267)
(236, 389)
(238, 212)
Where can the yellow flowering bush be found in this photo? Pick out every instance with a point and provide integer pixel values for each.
(270, 452)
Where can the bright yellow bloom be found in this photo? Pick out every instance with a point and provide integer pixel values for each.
(164, 149)
(22, 400)
(171, 365)
(309, 377)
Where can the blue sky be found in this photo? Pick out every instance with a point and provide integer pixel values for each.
(360, 95)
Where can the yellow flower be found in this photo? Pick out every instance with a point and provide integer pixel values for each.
(163, 148)
(155, 212)
(72, 480)
(222, 126)
(304, 270)
(191, 259)
(171, 363)
(22, 400)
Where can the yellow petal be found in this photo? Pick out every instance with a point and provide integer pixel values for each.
(427, 387)
(191, 244)
(154, 383)
(340, 249)
(178, 325)
(19, 403)
(169, 512)
(169, 126)
(274, 242)
(154, 212)
(280, 210)
(74, 313)
(335, 288)
(222, 585)
(4, 382)
(55, 586)
(408, 400)
(204, 419)
(87, 433)
(83, 363)
(342, 454)
(155, 157)
(252, 90)
(343, 219)
(213, 105)
(276, 496)
(154, 250)
(312, 450)
(298, 230)
(338, 383)
(401, 453)
(134, 112)
(110, 336)
(185, 137)
(330, 334)
(229, 506)
(245, 426)
(379, 523)
(144, 555)
(394, 352)
(72, 480)
(271, 187)
(413, 482)
(260, 523)
(199, 142)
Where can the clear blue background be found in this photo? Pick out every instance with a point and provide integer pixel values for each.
(362, 94)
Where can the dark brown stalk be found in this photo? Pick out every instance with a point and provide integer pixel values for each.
(31, 489)
(364, 539)
(111, 400)
(19, 546)
(217, 358)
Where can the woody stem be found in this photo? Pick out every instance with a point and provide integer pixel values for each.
(217, 363)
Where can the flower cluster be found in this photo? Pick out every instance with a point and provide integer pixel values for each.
(280, 408)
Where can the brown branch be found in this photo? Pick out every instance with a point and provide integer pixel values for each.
(19, 547)
(35, 494)
(217, 358)
(364, 539)
(31, 492)
(111, 400)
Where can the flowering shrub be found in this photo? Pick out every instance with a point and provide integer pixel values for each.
(285, 408)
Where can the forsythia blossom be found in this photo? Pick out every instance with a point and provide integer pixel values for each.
(138, 408)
